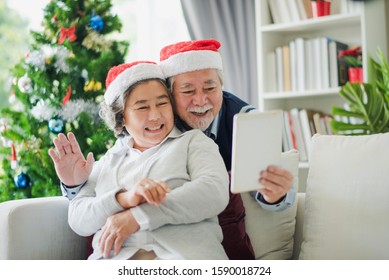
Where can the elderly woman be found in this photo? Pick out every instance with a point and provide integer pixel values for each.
(157, 192)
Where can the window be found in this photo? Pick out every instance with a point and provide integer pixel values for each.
(147, 24)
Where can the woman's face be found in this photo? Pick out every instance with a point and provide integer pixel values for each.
(148, 114)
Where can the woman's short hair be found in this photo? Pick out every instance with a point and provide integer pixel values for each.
(113, 115)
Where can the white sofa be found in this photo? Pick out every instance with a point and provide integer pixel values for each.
(342, 215)
(37, 229)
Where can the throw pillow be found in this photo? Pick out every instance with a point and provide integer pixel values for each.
(271, 233)
(347, 198)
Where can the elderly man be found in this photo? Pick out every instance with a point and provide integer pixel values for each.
(194, 73)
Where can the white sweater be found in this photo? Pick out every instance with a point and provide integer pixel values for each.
(186, 224)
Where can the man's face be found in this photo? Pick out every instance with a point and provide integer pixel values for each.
(198, 97)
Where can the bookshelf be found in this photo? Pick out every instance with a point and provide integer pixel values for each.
(365, 27)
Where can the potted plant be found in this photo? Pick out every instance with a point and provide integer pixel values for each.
(353, 59)
(368, 103)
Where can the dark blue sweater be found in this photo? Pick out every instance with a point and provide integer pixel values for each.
(231, 105)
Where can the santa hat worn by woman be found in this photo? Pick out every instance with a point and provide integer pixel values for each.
(190, 56)
(121, 77)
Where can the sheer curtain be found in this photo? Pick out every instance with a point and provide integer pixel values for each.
(232, 22)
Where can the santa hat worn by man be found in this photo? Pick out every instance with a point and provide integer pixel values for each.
(190, 56)
(121, 77)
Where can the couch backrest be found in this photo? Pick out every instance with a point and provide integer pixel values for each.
(347, 198)
(37, 229)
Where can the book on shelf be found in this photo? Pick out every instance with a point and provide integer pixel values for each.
(271, 81)
(322, 123)
(301, 9)
(282, 8)
(346, 6)
(354, 7)
(327, 120)
(279, 69)
(309, 64)
(288, 134)
(317, 76)
(300, 124)
(293, 10)
(324, 64)
(275, 14)
(307, 127)
(343, 6)
(293, 65)
(308, 8)
(317, 50)
(318, 126)
(338, 67)
(284, 11)
(296, 127)
(286, 68)
(285, 141)
(300, 64)
(312, 122)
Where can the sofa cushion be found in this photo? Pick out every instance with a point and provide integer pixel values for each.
(347, 198)
(37, 229)
(271, 233)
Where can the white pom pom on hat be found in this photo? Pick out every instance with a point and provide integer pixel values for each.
(122, 76)
(190, 56)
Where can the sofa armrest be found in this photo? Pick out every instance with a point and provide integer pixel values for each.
(37, 228)
(298, 233)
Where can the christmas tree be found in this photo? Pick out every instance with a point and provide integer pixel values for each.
(57, 87)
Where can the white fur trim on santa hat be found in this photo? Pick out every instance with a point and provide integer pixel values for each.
(191, 61)
(130, 76)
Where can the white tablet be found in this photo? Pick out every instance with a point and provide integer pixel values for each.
(256, 144)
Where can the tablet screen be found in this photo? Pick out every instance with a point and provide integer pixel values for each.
(256, 144)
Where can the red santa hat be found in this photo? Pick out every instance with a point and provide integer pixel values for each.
(121, 77)
(190, 56)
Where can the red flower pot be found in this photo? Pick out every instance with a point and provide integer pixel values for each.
(355, 75)
(321, 8)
